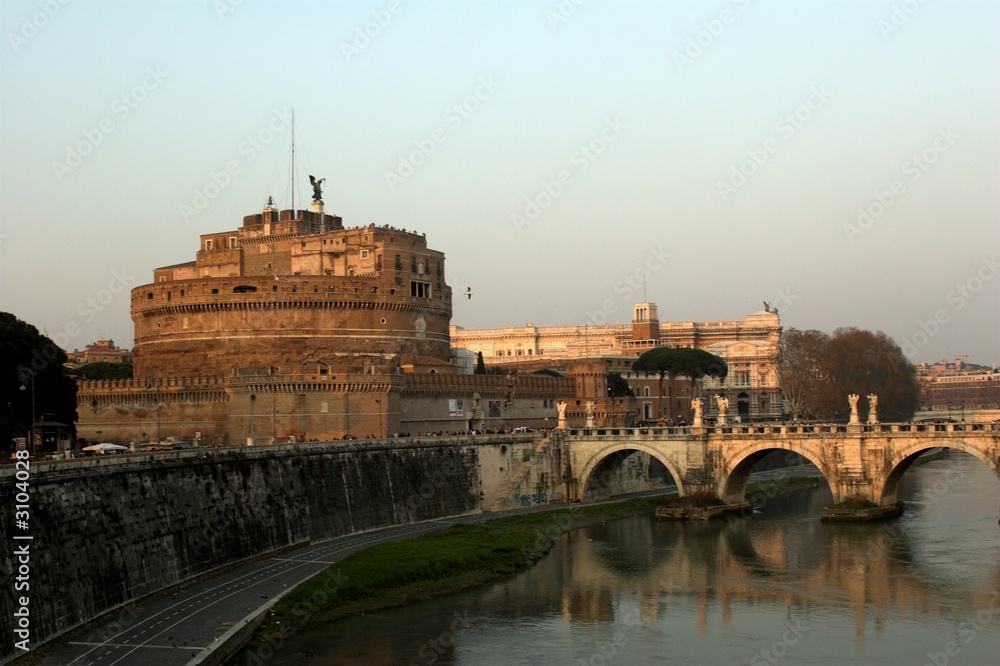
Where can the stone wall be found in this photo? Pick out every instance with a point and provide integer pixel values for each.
(112, 529)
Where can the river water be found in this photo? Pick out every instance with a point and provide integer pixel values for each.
(778, 588)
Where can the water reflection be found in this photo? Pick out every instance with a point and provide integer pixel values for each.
(724, 591)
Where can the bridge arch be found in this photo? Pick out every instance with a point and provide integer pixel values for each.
(602, 455)
(732, 482)
(886, 485)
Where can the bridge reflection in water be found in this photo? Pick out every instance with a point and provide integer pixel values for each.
(722, 592)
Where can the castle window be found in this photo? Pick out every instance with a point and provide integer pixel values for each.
(364, 254)
(163, 278)
(149, 296)
(208, 245)
(413, 264)
(232, 242)
(244, 289)
(399, 263)
(420, 289)
(215, 291)
(295, 288)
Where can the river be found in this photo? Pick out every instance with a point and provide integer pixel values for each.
(778, 588)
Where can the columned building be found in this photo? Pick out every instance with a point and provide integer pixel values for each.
(749, 347)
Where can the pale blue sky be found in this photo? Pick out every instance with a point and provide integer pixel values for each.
(671, 124)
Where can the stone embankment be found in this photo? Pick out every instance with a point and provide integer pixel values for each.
(111, 530)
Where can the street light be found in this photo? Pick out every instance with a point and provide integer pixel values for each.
(28, 377)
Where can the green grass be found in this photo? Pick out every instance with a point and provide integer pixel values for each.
(456, 558)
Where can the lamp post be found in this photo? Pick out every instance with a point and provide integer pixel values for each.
(28, 377)
(378, 402)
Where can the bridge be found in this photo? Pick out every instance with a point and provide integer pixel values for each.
(858, 461)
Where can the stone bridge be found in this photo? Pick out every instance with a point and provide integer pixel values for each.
(858, 461)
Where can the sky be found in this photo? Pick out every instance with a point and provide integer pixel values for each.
(838, 160)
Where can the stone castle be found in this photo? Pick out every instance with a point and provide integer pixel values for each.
(293, 327)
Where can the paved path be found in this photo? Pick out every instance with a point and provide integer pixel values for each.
(173, 630)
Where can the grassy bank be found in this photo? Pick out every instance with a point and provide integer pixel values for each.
(454, 559)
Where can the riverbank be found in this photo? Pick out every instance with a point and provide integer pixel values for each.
(454, 559)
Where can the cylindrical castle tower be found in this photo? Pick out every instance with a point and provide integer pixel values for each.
(303, 289)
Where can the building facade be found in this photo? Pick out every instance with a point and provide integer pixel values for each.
(102, 351)
(749, 347)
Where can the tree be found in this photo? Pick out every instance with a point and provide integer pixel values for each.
(818, 372)
(618, 387)
(480, 364)
(24, 352)
(800, 369)
(674, 361)
(103, 370)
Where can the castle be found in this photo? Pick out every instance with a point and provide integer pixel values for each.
(294, 327)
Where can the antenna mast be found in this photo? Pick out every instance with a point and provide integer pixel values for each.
(293, 161)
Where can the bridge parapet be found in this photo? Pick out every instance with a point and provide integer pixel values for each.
(783, 429)
(863, 461)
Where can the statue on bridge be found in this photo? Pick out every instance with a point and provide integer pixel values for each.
(872, 404)
(697, 404)
(590, 413)
(722, 402)
(562, 415)
(853, 400)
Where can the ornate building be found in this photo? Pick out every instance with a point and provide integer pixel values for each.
(294, 327)
(749, 347)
